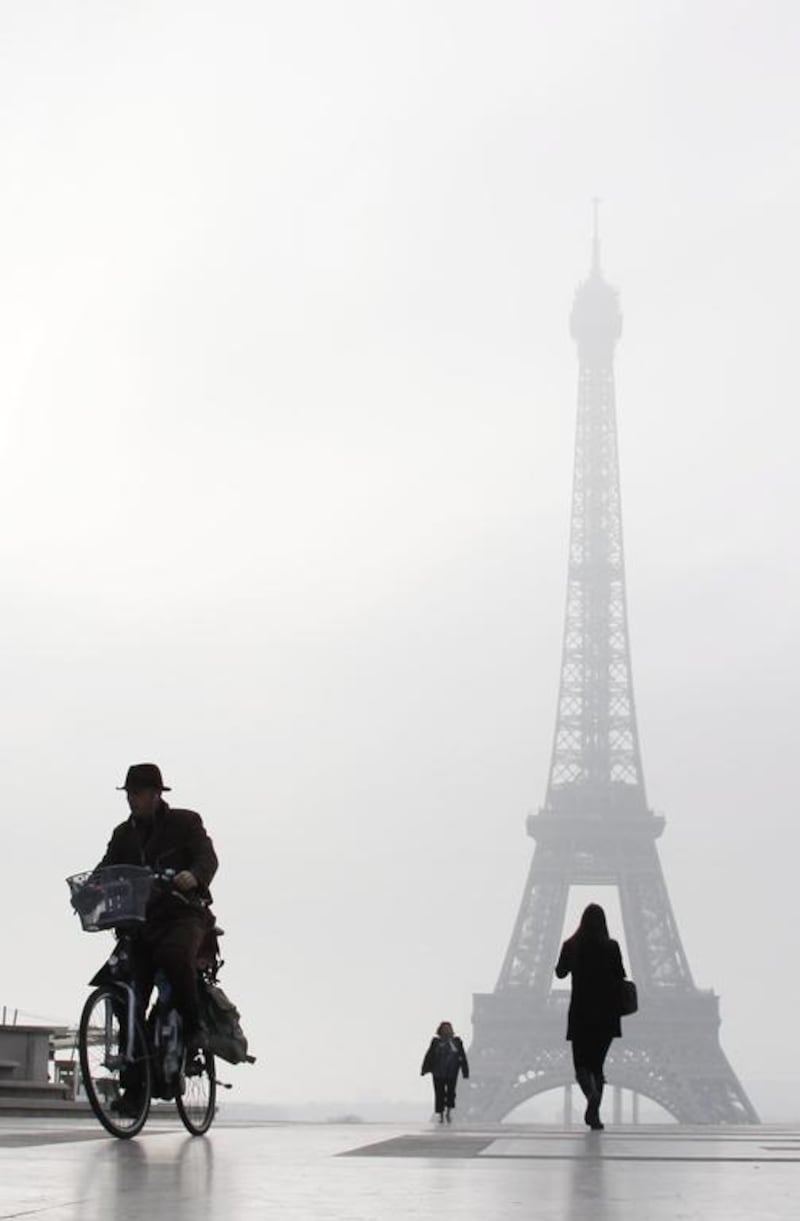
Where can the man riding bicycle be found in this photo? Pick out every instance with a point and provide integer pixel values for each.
(178, 919)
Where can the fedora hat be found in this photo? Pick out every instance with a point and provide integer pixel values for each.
(144, 776)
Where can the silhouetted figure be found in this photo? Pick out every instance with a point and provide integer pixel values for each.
(443, 1059)
(177, 923)
(595, 963)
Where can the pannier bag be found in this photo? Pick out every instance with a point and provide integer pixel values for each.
(628, 999)
(224, 1035)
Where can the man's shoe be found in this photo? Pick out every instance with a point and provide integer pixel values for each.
(195, 1064)
(196, 1040)
(448, 1116)
(127, 1105)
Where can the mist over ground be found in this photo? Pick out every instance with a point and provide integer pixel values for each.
(287, 419)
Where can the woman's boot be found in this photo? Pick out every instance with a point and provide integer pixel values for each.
(587, 1083)
(593, 1109)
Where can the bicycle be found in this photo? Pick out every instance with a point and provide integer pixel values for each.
(127, 1062)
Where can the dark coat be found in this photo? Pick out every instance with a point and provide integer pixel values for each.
(174, 839)
(597, 974)
(445, 1057)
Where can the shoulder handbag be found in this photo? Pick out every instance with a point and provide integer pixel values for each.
(628, 998)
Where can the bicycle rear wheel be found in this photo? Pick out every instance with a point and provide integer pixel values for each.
(118, 1089)
(197, 1099)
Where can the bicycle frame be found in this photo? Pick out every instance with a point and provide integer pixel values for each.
(135, 1005)
(130, 1019)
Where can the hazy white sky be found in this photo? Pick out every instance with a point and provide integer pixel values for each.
(285, 457)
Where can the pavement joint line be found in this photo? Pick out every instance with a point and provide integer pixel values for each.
(635, 1157)
(37, 1212)
(525, 1146)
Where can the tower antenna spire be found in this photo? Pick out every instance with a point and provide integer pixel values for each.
(596, 235)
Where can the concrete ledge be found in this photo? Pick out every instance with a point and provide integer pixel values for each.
(41, 1108)
(13, 1088)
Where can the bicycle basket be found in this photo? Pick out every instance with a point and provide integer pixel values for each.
(116, 894)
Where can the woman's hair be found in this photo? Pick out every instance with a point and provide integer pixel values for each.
(444, 1030)
(593, 926)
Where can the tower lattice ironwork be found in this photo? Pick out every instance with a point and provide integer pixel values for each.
(595, 828)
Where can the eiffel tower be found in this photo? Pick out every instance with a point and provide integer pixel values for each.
(595, 828)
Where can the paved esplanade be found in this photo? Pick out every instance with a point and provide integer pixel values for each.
(285, 1171)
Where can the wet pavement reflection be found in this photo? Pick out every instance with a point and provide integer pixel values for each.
(70, 1169)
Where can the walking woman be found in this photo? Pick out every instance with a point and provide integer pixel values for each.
(443, 1059)
(595, 963)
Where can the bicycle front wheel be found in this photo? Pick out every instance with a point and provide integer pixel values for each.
(118, 1087)
(197, 1099)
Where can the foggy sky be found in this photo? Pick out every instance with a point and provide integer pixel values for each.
(288, 403)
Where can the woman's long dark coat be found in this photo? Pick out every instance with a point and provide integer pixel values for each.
(597, 973)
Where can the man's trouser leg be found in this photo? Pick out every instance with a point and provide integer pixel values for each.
(174, 949)
(141, 966)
